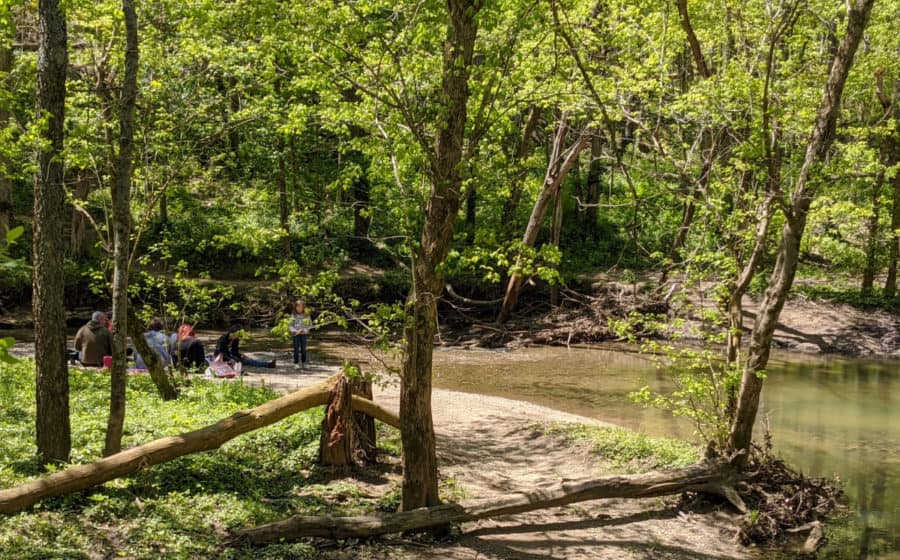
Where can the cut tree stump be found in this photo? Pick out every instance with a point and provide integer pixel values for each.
(717, 478)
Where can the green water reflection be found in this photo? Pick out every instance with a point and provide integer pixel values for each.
(827, 417)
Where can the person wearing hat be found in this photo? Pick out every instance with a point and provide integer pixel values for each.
(93, 341)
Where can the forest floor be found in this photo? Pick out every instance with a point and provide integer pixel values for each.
(489, 446)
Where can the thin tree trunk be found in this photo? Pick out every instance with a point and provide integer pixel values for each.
(891, 153)
(871, 268)
(121, 206)
(715, 478)
(890, 283)
(158, 373)
(595, 175)
(559, 165)
(471, 207)
(52, 375)
(523, 150)
(77, 247)
(788, 253)
(283, 202)
(6, 61)
(417, 427)
(295, 174)
(555, 234)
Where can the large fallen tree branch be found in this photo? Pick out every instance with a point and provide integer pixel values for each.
(716, 478)
(162, 450)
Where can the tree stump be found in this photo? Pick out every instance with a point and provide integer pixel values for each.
(335, 443)
(365, 451)
(348, 438)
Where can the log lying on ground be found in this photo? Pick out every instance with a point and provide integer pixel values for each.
(162, 450)
(712, 478)
(376, 411)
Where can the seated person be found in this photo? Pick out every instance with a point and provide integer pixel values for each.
(187, 350)
(228, 347)
(156, 339)
(93, 341)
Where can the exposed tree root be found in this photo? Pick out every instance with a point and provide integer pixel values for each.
(784, 501)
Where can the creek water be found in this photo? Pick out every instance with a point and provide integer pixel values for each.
(827, 417)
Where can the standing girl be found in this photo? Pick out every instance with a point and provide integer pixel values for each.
(299, 329)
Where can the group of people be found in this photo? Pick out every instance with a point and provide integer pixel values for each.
(93, 344)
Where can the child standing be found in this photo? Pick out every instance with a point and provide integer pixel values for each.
(299, 329)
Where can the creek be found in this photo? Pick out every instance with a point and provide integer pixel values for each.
(827, 416)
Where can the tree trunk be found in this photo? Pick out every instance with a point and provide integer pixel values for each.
(336, 440)
(871, 268)
(365, 444)
(52, 375)
(559, 165)
(890, 284)
(77, 236)
(517, 176)
(471, 207)
(283, 202)
(163, 450)
(163, 208)
(891, 156)
(158, 373)
(716, 478)
(788, 253)
(555, 235)
(121, 207)
(417, 428)
(595, 175)
(6, 60)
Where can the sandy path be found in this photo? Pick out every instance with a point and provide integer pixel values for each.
(489, 446)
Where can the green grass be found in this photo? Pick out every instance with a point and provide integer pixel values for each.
(627, 451)
(181, 509)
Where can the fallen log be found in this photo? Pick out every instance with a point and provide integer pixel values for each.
(376, 411)
(712, 478)
(162, 450)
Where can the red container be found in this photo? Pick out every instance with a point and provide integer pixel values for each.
(107, 362)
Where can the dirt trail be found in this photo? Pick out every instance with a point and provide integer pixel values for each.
(489, 446)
